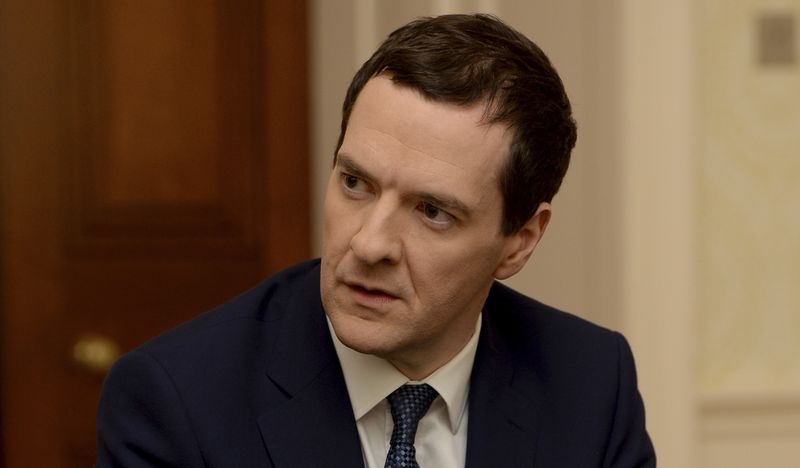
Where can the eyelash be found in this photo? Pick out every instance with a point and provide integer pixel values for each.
(421, 207)
(344, 179)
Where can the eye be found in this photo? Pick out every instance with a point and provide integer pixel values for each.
(354, 185)
(436, 215)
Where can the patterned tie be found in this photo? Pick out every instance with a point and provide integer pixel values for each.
(409, 403)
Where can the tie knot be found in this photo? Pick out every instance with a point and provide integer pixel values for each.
(409, 403)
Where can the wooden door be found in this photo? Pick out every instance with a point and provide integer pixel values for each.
(154, 162)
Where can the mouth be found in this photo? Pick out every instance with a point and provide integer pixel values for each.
(370, 295)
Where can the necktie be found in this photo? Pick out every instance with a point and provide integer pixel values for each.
(409, 403)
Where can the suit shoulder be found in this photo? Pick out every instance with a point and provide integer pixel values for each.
(514, 311)
(568, 352)
(263, 303)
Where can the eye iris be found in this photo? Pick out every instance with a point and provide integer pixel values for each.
(350, 181)
(431, 211)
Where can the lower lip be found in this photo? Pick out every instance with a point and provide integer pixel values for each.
(369, 298)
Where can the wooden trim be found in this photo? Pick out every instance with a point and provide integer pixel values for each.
(286, 121)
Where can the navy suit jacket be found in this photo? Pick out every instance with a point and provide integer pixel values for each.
(256, 383)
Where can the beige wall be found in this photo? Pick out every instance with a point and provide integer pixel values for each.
(678, 221)
(748, 240)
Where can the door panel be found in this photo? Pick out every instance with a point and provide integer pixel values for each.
(154, 163)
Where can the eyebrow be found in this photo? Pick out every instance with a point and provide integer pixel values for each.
(351, 167)
(445, 202)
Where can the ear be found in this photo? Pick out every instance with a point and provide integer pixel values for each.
(520, 245)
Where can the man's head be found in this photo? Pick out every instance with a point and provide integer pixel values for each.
(421, 212)
(469, 59)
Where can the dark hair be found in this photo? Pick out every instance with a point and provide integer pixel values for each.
(464, 59)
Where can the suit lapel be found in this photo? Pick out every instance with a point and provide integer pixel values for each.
(504, 403)
(309, 420)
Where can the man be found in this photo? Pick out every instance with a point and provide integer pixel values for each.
(399, 347)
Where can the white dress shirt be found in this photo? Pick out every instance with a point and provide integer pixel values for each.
(441, 439)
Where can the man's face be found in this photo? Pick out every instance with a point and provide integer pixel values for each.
(412, 227)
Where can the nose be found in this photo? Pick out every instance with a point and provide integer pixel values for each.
(378, 238)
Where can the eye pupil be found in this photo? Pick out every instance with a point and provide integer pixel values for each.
(350, 181)
(431, 211)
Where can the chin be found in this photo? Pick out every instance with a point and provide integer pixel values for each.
(358, 334)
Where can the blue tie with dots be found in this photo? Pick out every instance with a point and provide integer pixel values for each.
(409, 403)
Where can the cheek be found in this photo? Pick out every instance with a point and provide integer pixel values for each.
(442, 271)
(340, 227)
(335, 243)
(337, 225)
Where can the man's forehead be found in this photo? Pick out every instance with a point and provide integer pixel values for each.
(482, 109)
(487, 106)
(455, 134)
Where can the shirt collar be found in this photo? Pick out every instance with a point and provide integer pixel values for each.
(370, 379)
